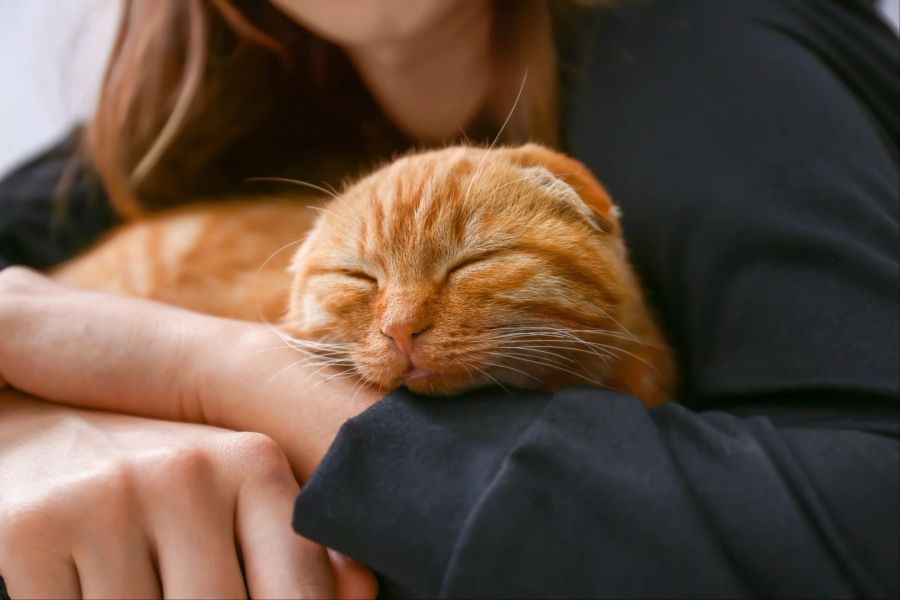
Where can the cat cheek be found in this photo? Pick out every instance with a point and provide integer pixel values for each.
(309, 314)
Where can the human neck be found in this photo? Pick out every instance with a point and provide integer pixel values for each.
(432, 85)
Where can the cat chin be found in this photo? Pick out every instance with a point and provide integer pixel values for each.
(436, 384)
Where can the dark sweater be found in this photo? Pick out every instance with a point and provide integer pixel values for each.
(753, 149)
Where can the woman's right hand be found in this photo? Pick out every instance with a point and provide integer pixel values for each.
(103, 505)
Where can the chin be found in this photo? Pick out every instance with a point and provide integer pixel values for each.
(442, 385)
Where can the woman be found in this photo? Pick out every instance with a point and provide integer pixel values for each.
(752, 147)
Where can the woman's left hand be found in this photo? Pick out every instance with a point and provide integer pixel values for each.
(149, 359)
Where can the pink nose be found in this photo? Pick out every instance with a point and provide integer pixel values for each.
(404, 334)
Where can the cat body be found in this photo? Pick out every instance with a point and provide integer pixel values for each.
(443, 271)
(220, 258)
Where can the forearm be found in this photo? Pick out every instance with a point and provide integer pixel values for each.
(149, 359)
(95, 350)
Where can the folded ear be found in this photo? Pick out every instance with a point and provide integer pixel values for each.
(575, 175)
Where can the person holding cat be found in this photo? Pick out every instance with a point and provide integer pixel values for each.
(752, 148)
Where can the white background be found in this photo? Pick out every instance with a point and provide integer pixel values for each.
(51, 59)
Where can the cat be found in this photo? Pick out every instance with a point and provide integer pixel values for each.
(443, 271)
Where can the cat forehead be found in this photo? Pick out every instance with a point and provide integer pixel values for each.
(414, 188)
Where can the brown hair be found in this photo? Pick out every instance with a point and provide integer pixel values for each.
(200, 94)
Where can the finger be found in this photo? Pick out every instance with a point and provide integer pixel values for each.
(352, 581)
(44, 576)
(120, 568)
(278, 563)
(194, 540)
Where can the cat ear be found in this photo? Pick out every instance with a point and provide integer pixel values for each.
(570, 181)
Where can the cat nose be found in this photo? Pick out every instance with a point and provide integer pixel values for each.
(404, 333)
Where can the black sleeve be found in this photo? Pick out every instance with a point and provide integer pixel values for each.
(586, 494)
(752, 147)
(51, 207)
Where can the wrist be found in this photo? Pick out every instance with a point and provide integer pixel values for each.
(222, 370)
(248, 379)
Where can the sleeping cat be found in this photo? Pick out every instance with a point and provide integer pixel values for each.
(442, 271)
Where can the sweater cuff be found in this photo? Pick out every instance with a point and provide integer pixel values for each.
(395, 488)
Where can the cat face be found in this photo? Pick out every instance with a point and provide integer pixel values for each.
(463, 267)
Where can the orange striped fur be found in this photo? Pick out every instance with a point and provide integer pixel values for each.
(444, 271)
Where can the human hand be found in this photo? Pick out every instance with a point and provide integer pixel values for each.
(145, 358)
(103, 505)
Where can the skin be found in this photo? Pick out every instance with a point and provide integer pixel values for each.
(199, 488)
(427, 62)
(426, 65)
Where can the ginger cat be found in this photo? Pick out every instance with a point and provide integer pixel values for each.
(442, 271)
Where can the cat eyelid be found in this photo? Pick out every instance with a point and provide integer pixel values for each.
(471, 260)
(356, 274)
(360, 275)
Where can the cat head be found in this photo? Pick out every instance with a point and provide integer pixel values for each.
(462, 267)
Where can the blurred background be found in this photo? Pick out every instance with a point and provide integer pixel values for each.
(52, 55)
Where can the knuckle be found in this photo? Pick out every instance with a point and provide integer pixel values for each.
(180, 468)
(262, 455)
(70, 511)
(114, 480)
(22, 527)
(108, 497)
(22, 523)
(18, 279)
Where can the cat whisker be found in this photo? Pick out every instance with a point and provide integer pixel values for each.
(556, 344)
(551, 342)
(513, 182)
(529, 350)
(521, 359)
(312, 344)
(603, 356)
(261, 351)
(305, 347)
(338, 375)
(363, 381)
(603, 351)
(254, 353)
(562, 334)
(548, 328)
(501, 366)
(277, 252)
(315, 343)
(624, 334)
(575, 373)
(617, 349)
(562, 330)
(285, 369)
(352, 223)
(334, 192)
(492, 378)
(321, 367)
(496, 137)
(595, 348)
(316, 354)
(320, 361)
(299, 182)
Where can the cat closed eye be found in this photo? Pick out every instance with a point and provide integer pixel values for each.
(472, 260)
(360, 275)
(463, 264)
